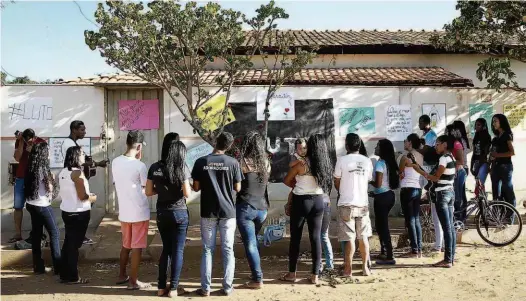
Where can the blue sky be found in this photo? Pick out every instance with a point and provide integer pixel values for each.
(45, 40)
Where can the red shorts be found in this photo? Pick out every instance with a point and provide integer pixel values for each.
(134, 235)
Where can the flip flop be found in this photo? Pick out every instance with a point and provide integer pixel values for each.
(80, 281)
(123, 281)
(14, 239)
(285, 279)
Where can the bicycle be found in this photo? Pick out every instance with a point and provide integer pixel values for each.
(493, 219)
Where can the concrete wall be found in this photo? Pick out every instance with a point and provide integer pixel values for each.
(457, 102)
(69, 103)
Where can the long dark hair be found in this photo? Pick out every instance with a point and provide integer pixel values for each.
(504, 125)
(484, 133)
(450, 129)
(461, 127)
(38, 171)
(320, 162)
(414, 140)
(72, 159)
(387, 153)
(173, 159)
(363, 150)
(450, 140)
(253, 149)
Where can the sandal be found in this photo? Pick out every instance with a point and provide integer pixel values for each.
(285, 279)
(313, 279)
(14, 239)
(119, 282)
(253, 285)
(138, 286)
(443, 264)
(80, 281)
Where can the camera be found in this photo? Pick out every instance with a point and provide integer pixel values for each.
(17, 133)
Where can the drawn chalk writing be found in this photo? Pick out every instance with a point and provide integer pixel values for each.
(34, 112)
(138, 114)
(398, 122)
(357, 120)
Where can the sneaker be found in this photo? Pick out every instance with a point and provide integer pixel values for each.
(22, 245)
(88, 241)
(44, 271)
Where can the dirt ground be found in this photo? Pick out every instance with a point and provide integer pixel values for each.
(481, 273)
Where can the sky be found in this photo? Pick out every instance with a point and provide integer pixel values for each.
(45, 39)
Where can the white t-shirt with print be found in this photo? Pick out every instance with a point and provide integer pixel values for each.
(129, 178)
(354, 171)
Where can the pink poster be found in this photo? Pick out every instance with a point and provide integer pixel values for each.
(138, 114)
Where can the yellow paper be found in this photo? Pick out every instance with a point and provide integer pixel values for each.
(516, 115)
(211, 113)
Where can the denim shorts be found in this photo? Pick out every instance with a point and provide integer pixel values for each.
(20, 199)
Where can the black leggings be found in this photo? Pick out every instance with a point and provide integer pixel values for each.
(383, 203)
(310, 208)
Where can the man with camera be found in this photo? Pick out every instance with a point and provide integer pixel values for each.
(77, 131)
(24, 142)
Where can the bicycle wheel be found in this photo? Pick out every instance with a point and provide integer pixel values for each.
(499, 224)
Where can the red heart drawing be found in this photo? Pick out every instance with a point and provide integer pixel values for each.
(287, 110)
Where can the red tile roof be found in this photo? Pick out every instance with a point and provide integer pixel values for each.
(384, 76)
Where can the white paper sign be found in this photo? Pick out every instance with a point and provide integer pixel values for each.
(281, 106)
(197, 152)
(33, 112)
(398, 122)
(56, 157)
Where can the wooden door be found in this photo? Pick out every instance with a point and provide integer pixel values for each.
(117, 138)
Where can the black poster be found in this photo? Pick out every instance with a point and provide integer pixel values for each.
(313, 116)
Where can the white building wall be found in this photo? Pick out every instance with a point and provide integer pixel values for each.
(70, 103)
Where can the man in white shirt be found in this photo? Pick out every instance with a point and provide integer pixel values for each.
(351, 178)
(129, 178)
(77, 131)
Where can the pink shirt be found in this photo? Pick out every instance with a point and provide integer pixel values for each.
(457, 145)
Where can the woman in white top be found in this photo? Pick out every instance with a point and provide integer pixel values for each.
(411, 193)
(75, 206)
(40, 189)
(310, 181)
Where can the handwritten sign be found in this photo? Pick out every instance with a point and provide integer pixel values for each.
(211, 113)
(516, 115)
(56, 155)
(197, 152)
(357, 120)
(437, 113)
(281, 106)
(398, 122)
(34, 112)
(138, 114)
(479, 110)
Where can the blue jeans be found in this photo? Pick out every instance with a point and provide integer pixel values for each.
(410, 200)
(444, 207)
(227, 230)
(460, 190)
(42, 217)
(325, 239)
(172, 225)
(502, 174)
(481, 170)
(20, 199)
(250, 221)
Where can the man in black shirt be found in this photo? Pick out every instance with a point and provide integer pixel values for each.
(217, 176)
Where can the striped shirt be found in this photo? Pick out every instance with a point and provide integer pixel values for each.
(448, 177)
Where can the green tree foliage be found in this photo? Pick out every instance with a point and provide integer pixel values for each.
(169, 45)
(493, 28)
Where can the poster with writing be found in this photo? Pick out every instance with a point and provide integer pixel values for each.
(437, 113)
(211, 113)
(357, 120)
(516, 116)
(479, 110)
(398, 122)
(281, 106)
(197, 152)
(138, 114)
(32, 112)
(56, 156)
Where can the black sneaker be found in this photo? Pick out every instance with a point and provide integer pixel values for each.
(88, 241)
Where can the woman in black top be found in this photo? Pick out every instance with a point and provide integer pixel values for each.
(168, 178)
(481, 147)
(501, 153)
(251, 203)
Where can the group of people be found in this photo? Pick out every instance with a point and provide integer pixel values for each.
(234, 195)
